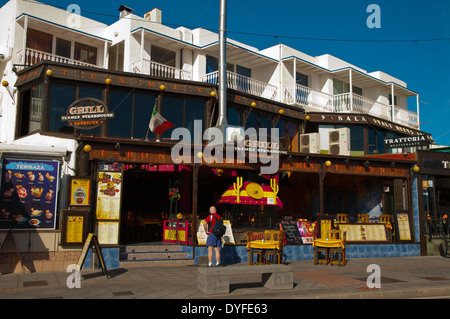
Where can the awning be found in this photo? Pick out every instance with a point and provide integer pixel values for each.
(252, 194)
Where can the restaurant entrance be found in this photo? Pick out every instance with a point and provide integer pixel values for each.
(145, 200)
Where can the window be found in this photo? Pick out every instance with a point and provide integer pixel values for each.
(212, 64)
(36, 108)
(390, 99)
(121, 103)
(241, 70)
(38, 40)
(357, 140)
(172, 111)
(301, 79)
(63, 48)
(116, 55)
(292, 132)
(163, 56)
(234, 116)
(85, 53)
(340, 87)
(61, 97)
(142, 113)
(194, 110)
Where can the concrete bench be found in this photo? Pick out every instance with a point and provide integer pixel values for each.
(216, 280)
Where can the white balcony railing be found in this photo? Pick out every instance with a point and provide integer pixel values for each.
(244, 84)
(347, 103)
(152, 68)
(406, 117)
(360, 104)
(34, 56)
(305, 96)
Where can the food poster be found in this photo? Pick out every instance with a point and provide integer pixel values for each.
(28, 194)
(306, 231)
(108, 233)
(109, 195)
(80, 190)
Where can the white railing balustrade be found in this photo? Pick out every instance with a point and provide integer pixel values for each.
(312, 99)
(244, 84)
(406, 117)
(34, 56)
(152, 68)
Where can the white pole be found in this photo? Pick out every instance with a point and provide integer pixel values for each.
(418, 114)
(392, 102)
(351, 89)
(25, 30)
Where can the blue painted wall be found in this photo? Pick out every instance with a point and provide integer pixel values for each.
(238, 254)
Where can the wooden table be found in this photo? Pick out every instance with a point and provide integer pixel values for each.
(263, 246)
(327, 244)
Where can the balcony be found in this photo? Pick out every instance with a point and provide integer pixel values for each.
(152, 68)
(347, 103)
(34, 56)
(244, 84)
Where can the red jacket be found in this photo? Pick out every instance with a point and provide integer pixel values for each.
(211, 221)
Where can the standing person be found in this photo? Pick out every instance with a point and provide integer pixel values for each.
(212, 242)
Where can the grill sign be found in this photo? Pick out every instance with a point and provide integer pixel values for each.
(411, 141)
(87, 113)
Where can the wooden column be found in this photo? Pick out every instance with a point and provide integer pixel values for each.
(322, 174)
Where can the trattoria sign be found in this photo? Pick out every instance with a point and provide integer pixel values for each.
(410, 141)
(87, 113)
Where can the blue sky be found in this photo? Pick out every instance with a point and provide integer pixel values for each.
(423, 65)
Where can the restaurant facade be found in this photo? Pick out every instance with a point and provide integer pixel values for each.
(131, 171)
(105, 172)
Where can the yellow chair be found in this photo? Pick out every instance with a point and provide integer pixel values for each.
(275, 235)
(258, 253)
(387, 220)
(342, 218)
(317, 254)
(337, 254)
(363, 218)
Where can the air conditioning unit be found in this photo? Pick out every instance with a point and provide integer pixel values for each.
(310, 143)
(339, 141)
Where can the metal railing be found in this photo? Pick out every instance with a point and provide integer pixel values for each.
(436, 228)
(244, 84)
(152, 68)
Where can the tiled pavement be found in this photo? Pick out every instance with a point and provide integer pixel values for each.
(401, 277)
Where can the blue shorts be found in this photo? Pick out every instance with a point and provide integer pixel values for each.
(212, 240)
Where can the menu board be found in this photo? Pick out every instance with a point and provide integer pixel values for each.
(404, 232)
(364, 232)
(228, 237)
(108, 232)
(74, 232)
(201, 234)
(109, 195)
(306, 231)
(28, 194)
(291, 232)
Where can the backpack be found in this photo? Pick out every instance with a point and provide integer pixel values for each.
(219, 228)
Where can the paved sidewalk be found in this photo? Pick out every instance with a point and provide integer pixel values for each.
(401, 277)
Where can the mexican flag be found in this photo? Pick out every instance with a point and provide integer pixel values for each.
(158, 124)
